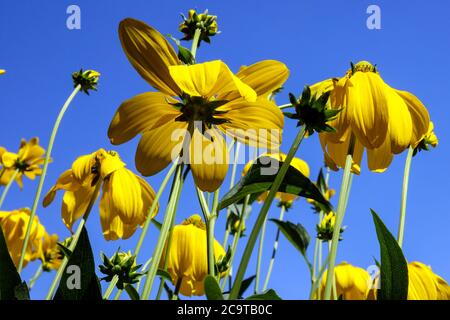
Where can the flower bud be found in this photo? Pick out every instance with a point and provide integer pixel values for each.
(87, 80)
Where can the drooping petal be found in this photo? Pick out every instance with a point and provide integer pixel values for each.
(264, 76)
(159, 146)
(400, 124)
(257, 123)
(74, 204)
(380, 158)
(138, 114)
(150, 54)
(208, 159)
(368, 108)
(82, 166)
(65, 181)
(419, 116)
(109, 163)
(148, 196)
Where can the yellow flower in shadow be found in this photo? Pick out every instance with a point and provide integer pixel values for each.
(51, 253)
(384, 121)
(14, 225)
(187, 258)
(27, 161)
(285, 198)
(195, 105)
(125, 201)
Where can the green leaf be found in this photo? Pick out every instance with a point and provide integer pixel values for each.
(164, 274)
(394, 268)
(81, 264)
(244, 286)
(295, 233)
(212, 288)
(157, 224)
(261, 177)
(132, 293)
(21, 292)
(268, 295)
(9, 277)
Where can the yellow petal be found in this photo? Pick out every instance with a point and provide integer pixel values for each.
(139, 114)
(9, 159)
(208, 159)
(400, 124)
(109, 163)
(419, 116)
(265, 76)
(380, 158)
(82, 166)
(148, 196)
(159, 146)
(65, 181)
(422, 284)
(368, 108)
(74, 204)
(209, 79)
(150, 54)
(257, 123)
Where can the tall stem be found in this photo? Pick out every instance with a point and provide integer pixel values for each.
(74, 241)
(260, 253)
(274, 250)
(342, 205)
(401, 226)
(195, 42)
(210, 225)
(233, 177)
(7, 187)
(170, 212)
(263, 214)
(44, 173)
(36, 276)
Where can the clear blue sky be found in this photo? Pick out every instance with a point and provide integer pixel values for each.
(316, 39)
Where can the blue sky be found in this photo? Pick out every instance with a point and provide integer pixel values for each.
(315, 39)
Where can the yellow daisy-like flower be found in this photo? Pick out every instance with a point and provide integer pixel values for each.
(383, 120)
(297, 163)
(352, 283)
(14, 225)
(51, 253)
(423, 284)
(125, 201)
(27, 162)
(211, 101)
(187, 258)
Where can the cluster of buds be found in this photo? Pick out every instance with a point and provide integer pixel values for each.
(123, 265)
(207, 24)
(312, 111)
(325, 228)
(87, 80)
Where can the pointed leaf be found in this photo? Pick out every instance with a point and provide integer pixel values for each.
(394, 268)
(268, 295)
(9, 278)
(212, 288)
(295, 233)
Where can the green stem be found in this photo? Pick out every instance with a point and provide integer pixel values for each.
(148, 221)
(195, 41)
(177, 288)
(401, 226)
(285, 106)
(317, 244)
(210, 225)
(7, 187)
(233, 177)
(44, 173)
(74, 241)
(274, 250)
(342, 205)
(263, 214)
(170, 212)
(236, 238)
(36, 276)
(260, 253)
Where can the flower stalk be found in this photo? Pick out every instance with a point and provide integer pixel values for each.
(401, 226)
(44, 171)
(263, 214)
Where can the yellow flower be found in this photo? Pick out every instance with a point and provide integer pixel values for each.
(14, 225)
(2, 71)
(382, 119)
(125, 201)
(27, 161)
(352, 283)
(329, 192)
(325, 228)
(211, 101)
(187, 258)
(51, 253)
(423, 284)
(297, 163)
